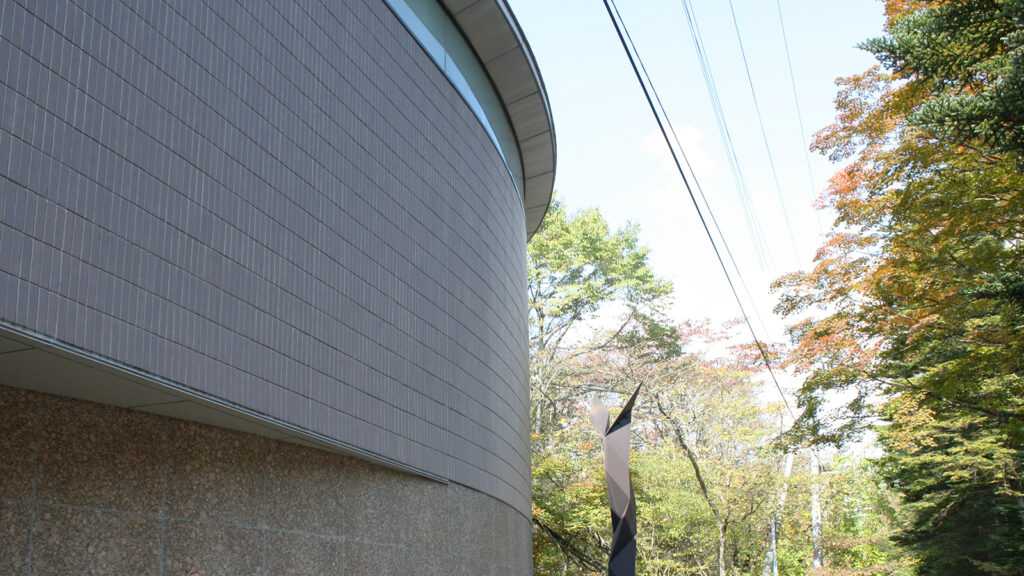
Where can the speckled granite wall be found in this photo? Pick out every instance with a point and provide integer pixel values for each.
(93, 489)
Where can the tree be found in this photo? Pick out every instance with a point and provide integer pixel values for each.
(597, 328)
(702, 468)
(708, 411)
(590, 289)
(705, 472)
(702, 414)
(918, 294)
(969, 56)
(860, 516)
(578, 267)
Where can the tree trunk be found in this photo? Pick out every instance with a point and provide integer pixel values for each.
(721, 547)
(681, 440)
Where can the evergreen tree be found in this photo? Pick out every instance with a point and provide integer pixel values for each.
(921, 285)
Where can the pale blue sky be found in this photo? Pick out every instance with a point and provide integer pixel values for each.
(611, 156)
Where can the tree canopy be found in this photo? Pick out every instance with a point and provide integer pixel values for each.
(706, 473)
(914, 310)
(578, 266)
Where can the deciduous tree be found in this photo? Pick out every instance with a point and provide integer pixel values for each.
(916, 301)
(578, 266)
(597, 328)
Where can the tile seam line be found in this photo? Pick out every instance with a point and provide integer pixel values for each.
(89, 355)
(291, 81)
(222, 289)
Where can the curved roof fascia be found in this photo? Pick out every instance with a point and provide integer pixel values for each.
(494, 34)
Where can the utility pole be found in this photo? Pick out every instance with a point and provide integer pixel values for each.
(771, 559)
(818, 552)
(771, 563)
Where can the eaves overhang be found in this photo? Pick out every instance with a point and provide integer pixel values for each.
(494, 34)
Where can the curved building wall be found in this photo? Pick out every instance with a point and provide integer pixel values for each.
(89, 488)
(282, 211)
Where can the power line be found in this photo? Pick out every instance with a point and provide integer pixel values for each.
(763, 251)
(764, 134)
(761, 247)
(675, 157)
(799, 114)
(696, 181)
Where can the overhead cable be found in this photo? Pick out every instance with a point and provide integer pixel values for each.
(799, 114)
(696, 182)
(764, 135)
(620, 27)
(761, 248)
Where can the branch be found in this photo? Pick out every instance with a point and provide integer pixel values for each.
(569, 549)
(949, 401)
(693, 461)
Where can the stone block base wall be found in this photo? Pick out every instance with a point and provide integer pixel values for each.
(93, 489)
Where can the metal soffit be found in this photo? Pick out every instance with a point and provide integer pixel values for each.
(494, 34)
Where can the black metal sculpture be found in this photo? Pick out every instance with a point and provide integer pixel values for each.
(622, 559)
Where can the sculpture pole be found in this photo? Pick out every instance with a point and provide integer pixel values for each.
(622, 559)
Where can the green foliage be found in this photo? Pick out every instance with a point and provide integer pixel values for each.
(865, 513)
(969, 56)
(961, 485)
(915, 299)
(597, 329)
(578, 267)
(570, 503)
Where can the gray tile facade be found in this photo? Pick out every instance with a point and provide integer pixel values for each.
(283, 206)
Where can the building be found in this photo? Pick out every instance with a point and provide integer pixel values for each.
(262, 286)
